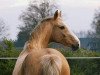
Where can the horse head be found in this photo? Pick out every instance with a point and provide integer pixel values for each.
(62, 34)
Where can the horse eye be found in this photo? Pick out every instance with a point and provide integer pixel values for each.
(62, 27)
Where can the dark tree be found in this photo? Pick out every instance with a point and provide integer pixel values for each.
(30, 18)
(3, 29)
(94, 34)
(96, 24)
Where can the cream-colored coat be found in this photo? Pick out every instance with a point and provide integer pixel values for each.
(36, 58)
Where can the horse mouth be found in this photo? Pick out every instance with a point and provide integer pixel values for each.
(75, 47)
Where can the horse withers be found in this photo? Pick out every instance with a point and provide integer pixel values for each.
(36, 58)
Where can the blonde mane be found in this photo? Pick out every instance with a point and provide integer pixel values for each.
(38, 31)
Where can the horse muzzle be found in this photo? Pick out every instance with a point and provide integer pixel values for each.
(75, 47)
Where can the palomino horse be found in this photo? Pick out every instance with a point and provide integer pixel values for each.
(37, 59)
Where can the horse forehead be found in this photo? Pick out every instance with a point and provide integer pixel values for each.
(58, 22)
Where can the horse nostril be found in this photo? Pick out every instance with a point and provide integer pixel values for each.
(75, 47)
(78, 45)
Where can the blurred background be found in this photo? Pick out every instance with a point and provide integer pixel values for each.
(19, 17)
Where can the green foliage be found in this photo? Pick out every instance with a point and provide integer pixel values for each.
(6, 67)
(7, 49)
(80, 53)
(9, 53)
(1, 48)
(9, 44)
(84, 66)
(66, 53)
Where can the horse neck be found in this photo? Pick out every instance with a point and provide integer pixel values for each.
(41, 36)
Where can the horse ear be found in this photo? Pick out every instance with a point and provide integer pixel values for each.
(57, 14)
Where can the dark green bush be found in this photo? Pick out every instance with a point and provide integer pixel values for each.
(6, 67)
(1, 48)
(9, 44)
(84, 66)
(9, 53)
(66, 53)
(80, 53)
(7, 49)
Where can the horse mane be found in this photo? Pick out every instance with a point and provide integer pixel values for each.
(38, 30)
(46, 19)
(39, 27)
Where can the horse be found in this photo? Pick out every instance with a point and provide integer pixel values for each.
(36, 58)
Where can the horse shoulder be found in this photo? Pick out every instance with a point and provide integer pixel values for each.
(18, 65)
(31, 64)
(33, 59)
(65, 66)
